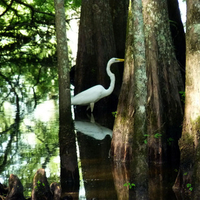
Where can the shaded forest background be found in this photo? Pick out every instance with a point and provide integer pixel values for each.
(29, 57)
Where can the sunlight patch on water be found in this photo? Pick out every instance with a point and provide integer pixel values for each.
(29, 139)
(45, 111)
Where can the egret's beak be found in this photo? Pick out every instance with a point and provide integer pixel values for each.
(120, 60)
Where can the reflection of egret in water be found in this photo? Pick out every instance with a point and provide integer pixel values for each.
(94, 144)
(95, 131)
(92, 129)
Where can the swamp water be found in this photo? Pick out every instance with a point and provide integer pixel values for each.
(31, 142)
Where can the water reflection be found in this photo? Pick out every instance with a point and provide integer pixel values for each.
(96, 167)
(28, 143)
(94, 143)
(31, 142)
(92, 129)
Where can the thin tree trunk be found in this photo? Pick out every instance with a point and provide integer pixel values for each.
(63, 64)
(188, 176)
(66, 131)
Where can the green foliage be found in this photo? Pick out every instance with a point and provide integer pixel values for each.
(130, 185)
(173, 23)
(157, 135)
(74, 3)
(39, 185)
(146, 135)
(35, 142)
(170, 140)
(189, 186)
(28, 48)
(114, 114)
(182, 93)
(176, 170)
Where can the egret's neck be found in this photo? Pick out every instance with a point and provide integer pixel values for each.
(112, 80)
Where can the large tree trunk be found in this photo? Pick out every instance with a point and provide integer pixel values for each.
(177, 33)
(131, 111)
(189, 142)
(96, 45)
(119, 13)
(66, 131)
(163, 72)
(128, 142)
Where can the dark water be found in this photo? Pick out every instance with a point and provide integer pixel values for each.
(31, 142)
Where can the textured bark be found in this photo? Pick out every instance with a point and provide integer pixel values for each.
(96, 45)
(119, 12)
(121, 144)
(56, 191)
(15, 191)
(131, 112)
(164, 80)
(41, 189)
(66, 128)
(121, 178)
(63, 64)
(189, 142)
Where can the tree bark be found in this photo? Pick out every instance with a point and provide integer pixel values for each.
(131, 112)
(56, 191)
(164, 82)
(63, 64)
(119, 13)
(121, 144)
(15, 191)
(66, 127)
(96, 45)
(41, 189)
(189, 142)
(128, 142)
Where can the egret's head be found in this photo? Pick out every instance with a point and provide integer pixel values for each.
(114, 60)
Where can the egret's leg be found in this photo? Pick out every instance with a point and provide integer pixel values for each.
(92, 106)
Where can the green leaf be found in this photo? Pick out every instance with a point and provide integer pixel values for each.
(157, 135)
(191, 188)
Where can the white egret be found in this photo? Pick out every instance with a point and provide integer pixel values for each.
(97, 92)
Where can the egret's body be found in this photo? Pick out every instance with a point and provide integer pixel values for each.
(95, 93)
